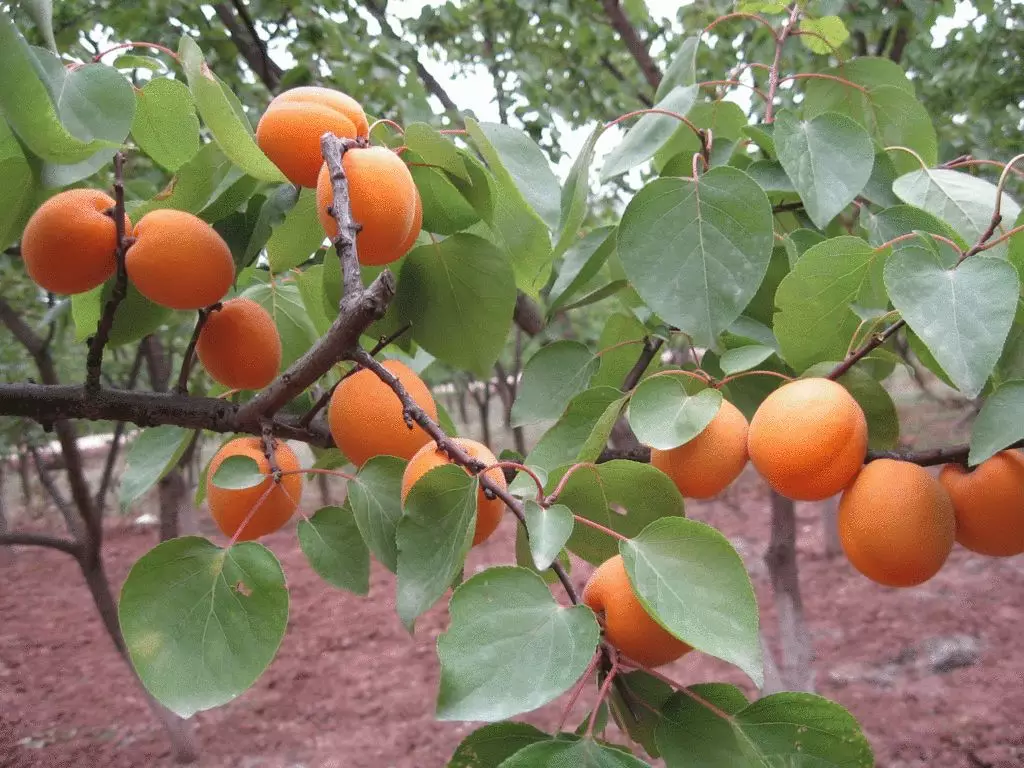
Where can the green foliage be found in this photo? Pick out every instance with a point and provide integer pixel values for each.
(549, 529)
(151, 455)
(664, 413)
(998, 425)
(551, 378)
(376, 499)
(331, 542)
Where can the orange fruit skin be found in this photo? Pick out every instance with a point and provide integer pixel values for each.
(179, 261)
(69, 243)
(488, 511)
(239, 345)
(989, 504)
(627, 624)
(229, 508)
(896, 523)
(289, 131)
(417, 226)
(365, 415)
(808, 439)
(706, 465)
(383, 197)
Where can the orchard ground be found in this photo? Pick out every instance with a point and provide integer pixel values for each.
(932, 673)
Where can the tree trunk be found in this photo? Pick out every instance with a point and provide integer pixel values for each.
(6, 554)
(830, 527)
(173, 498)
(179, 731)
(460, 394)
(795, 661)
(483, 404)
(25, 474)
(326, 497)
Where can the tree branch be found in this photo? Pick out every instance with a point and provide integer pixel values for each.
(15, 539)
(115, 441)
(621, 23)
(651, 348)
(773, 72)
(642, 97)
(190, 350)
(72, 521)
(252, 50)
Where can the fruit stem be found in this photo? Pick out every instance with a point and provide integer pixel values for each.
(154, 46)
(94, 360)
(759, 372)
(186, 362)
(385, 121)
(598, 527)
(682, 689)
(553, 497)
(259, 502)
(578, 689)
(657, 111)
(602, 694)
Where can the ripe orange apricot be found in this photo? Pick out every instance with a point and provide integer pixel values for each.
(488, 511)
(366, 418)
(627, 624)
(808, 439)
(179, 261)
(289, 131)
(703, 467)
(230, 507)
(896, 523)
(239, 345)
(383, 196)
(69, 243)
(989, 504)
(417, 226)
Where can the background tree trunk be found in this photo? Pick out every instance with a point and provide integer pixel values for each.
(830, 527)
(6, 553)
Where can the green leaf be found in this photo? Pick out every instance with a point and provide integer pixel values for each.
(696, 252)
(459, 295)
(376, 498)
(549, 529)
(618, 362)
(284, 303)
(434, 537)
(682, 70)
(296, 238)
(828, 158)
(134, 61)
(435, 149)
(151, 455)
(551, 378)
(41, 12)
(575, 193)
(202, 623)
(524, 558)
(878, 190)
(561, 444)
(26, 105)
(1015, 245)
(331, 542)
(824, 35)
(781, 729)
(900, 219)
(963, 201)
(445, 210)
(664, 415)
(624, 496)
(744, 358)
(815, 320)
(504, 621)
(516, 160)
(724, 119)
(874, 400)
(652, 130)
(238, 472)
(585, 753)
(762, 307)
(94, 102)
(640, 722)
(487, 747)
(581, 264)
(207, 179)
(691, 580)
(770, 176)
(311, 284)
(998, 425)
(978, 300)
(16, 193)
(272, 213)
(166, 126)
(230, 130)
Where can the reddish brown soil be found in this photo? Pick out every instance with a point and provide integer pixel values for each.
(350, 689)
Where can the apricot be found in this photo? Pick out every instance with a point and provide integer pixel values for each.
(289, 131)
(706, 465)
(230, 507)
(896, 523)
(808, 439)
(70, 242)
(627, 624)
(488, 511)
(239, 345)
(417, 226)
(179, 261)
(383, 198)
(989, 504)
(365, 415)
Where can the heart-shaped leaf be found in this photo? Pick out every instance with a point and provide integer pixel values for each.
(331, 542)
(238, 472)
(549, 529)
(376, 496)
(664, 415)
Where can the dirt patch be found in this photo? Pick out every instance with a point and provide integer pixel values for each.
(351, 689)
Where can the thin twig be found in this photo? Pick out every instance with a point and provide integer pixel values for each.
(773, 73)
(190, 350)
(651, 348)
(94, 361)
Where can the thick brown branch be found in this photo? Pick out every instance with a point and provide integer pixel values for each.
(41, 540)
(617, 16)
(190, 350)
(642, 97)
(249, 45)
(651, 348)
(47, 404)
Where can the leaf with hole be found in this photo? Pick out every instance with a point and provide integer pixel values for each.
(331, 542)
(691, 580)
(201, 623)
(550, 379)
(510, 647)
(664, 414)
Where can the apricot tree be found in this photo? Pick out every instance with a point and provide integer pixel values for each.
(787, 253)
